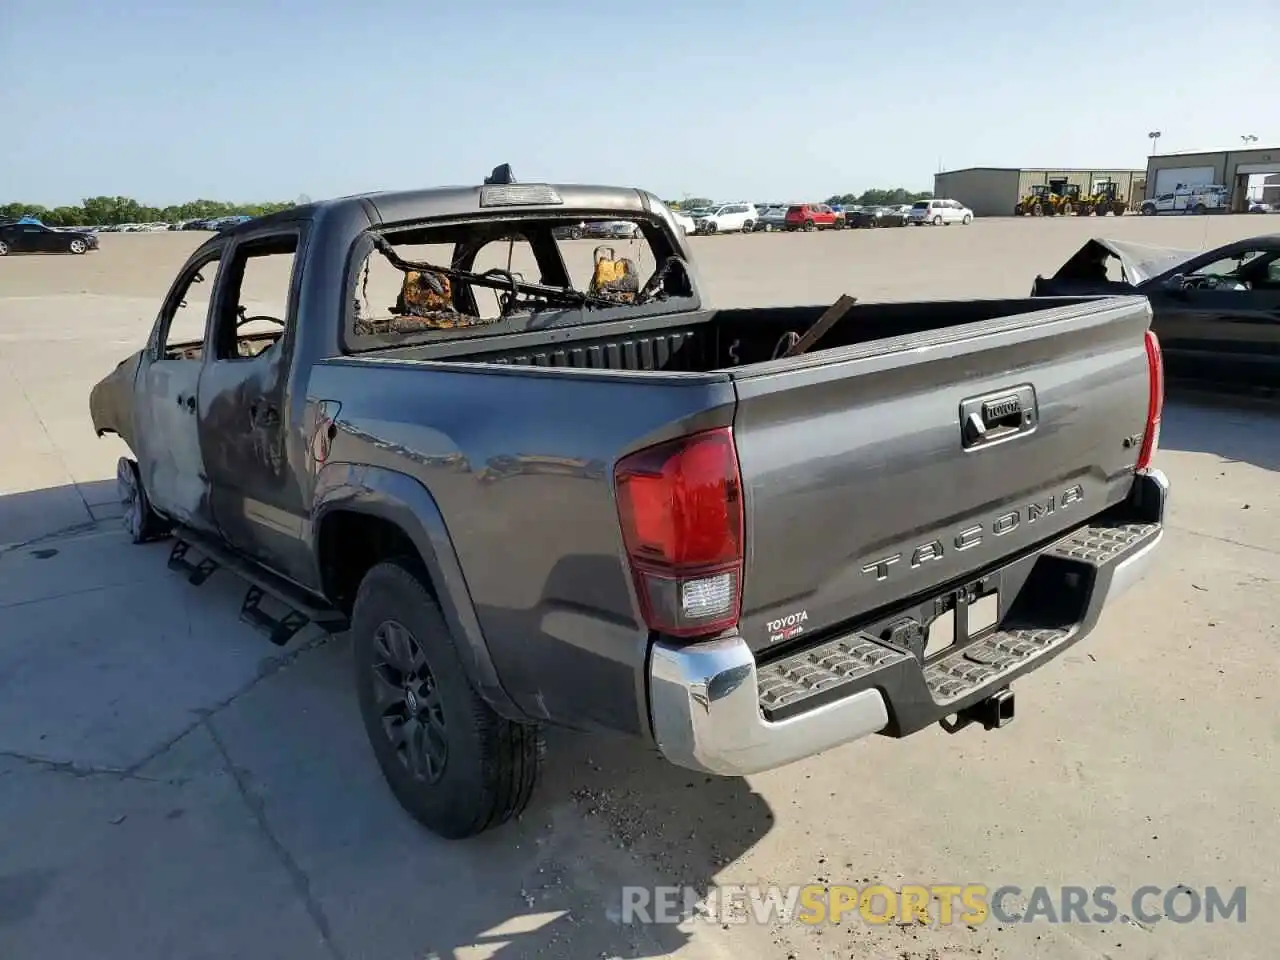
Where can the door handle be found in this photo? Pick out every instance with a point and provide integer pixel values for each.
(996, 416)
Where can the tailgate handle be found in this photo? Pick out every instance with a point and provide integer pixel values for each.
(998, 416)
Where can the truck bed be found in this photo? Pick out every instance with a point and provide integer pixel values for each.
(708, 340)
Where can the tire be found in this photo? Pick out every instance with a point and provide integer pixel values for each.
(1200, 208)
(967, 220)
(575, 233)
(810, 226)
(1148, 210)
(937, 220)
(709, 228)
(4, 249)
(140, 521)
(749, 227)
(77, 246)
(1037, 210)
(484, 768)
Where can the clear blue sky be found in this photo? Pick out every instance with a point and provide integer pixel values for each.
(236, 100)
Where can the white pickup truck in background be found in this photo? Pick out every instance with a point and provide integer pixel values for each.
(1206, 198)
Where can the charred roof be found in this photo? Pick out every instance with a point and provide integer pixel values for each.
(410, 206)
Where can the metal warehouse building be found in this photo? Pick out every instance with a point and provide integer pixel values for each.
(1232, 168)
(994, 191)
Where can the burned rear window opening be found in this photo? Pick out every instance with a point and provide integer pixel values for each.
(430, 282)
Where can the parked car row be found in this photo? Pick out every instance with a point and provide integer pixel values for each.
(598, 230)
(812, 217)
(214, 223)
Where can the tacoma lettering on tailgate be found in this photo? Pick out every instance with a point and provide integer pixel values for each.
(971, 536)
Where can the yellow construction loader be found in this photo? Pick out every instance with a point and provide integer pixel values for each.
(1051, 199)
(1106, 198)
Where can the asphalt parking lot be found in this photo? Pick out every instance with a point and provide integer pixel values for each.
(171, 785)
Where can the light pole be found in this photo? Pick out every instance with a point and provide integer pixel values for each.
(1154, 135)
(1247, 138)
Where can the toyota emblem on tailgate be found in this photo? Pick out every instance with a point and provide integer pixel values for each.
(1000, 408)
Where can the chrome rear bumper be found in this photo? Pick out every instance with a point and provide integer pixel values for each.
(705, 698)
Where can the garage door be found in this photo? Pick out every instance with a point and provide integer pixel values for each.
(1168, 180)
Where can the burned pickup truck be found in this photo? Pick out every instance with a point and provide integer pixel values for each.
(542, 483)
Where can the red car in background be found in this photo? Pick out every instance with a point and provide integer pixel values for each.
(813, 216)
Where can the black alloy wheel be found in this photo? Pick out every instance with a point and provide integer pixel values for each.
(451, 761)
(409, 703)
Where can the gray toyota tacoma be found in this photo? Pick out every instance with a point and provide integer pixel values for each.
(541, 483)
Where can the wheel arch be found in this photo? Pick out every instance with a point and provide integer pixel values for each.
(391, 513)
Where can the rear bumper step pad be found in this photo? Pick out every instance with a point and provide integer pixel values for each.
(918, 694)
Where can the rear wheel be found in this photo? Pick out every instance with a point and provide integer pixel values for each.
(140, 521)
(749, 227)
(453, 764)
(810, 226)
(937, 220)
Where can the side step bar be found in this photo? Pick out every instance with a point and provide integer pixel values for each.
(301, 607)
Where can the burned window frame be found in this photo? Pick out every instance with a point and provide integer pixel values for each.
(223, 333)
(653, 230)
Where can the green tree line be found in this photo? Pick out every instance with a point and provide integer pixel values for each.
(878, 197)
(102, 211)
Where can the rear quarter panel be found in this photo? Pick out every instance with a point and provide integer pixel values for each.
(520, 462)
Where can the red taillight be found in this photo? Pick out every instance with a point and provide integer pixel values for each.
(1155, 402)
(680, 505)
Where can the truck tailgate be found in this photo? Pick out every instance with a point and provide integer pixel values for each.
(883, 471)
